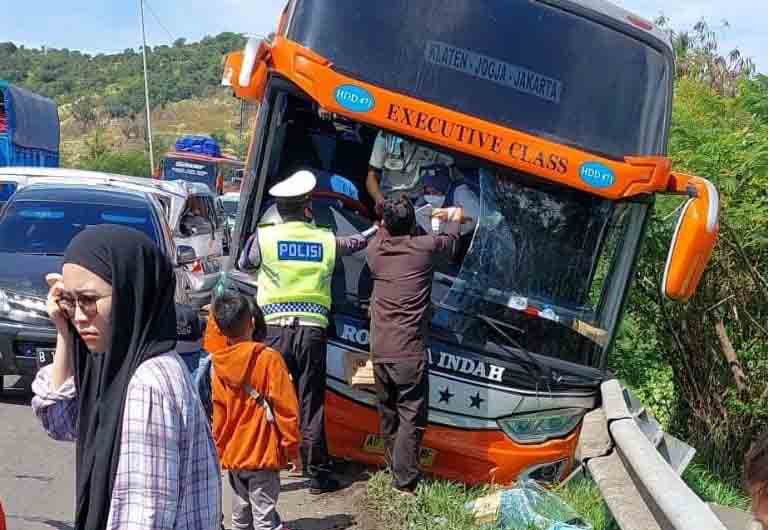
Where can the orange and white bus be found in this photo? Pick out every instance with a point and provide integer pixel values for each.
(555, 115)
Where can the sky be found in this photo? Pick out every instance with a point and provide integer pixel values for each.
(113, 25)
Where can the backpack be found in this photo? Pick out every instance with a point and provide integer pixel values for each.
(202, 382)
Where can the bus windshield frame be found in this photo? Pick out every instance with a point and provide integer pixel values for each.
(606, 267)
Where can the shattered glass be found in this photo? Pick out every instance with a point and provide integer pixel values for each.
(533, 247)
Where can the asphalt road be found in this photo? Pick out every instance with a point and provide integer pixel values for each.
(37, 479)
(37, 474)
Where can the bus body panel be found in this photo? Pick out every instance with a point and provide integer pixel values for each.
(508, 147)
(471, 456)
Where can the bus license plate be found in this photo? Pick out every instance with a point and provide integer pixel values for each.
(44, 356)
(375, 444)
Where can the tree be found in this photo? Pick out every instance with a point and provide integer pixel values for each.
(714, 346)
(220, 135)
(697, 57)
(84, 112)
(133, 163)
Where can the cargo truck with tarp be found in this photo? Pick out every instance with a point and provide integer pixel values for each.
(29, 128)
(556, 115)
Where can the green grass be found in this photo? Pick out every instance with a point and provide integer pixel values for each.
(440, 505)
(715, 488)
(586, 499)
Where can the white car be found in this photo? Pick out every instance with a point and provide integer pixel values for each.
(190, 210)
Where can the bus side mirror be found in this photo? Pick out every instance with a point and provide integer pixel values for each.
(694, 238)
(246, 71)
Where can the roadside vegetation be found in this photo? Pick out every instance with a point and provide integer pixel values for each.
(702, 366)
(441, 505)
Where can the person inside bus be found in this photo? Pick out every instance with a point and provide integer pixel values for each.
(396, 168)
(441, 191)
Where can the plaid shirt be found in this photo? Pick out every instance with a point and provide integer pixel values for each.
(168, 472)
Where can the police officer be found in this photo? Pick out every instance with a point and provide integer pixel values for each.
(294, 260)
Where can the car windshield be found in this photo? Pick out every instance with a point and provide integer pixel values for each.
(230, 207)
(6, 190)
(534, 269)
(47, 227)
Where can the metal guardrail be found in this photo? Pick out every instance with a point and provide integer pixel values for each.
(637, 467)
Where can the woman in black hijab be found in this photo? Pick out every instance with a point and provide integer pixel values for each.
(145, 457)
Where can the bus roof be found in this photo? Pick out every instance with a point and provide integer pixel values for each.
(621, 16)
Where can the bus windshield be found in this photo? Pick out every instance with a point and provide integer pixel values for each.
(532, 66)
(535, 270)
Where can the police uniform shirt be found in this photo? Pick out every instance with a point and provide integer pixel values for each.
(251, 257)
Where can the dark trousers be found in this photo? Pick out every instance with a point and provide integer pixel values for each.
(402, 393)
(304, 350)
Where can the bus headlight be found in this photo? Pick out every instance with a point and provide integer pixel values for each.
(537, 427)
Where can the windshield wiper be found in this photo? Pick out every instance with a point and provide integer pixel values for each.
(527, 359)
(41, 253)
(522, 305)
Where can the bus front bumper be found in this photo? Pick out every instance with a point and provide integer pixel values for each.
(468, 456)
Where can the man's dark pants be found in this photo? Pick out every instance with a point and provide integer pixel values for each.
(402, 393)
(304, 350)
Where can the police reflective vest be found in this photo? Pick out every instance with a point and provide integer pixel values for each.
(295, 276)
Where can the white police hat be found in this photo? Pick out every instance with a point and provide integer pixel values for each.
(298, 185)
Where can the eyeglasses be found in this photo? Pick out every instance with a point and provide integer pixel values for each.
(86, 302)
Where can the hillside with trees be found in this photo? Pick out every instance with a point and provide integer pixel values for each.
(177, 72)
(702, 366)
(102, 106)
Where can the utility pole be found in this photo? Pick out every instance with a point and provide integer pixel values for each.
(146, 88)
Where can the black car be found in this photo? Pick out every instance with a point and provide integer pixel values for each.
(36, 225)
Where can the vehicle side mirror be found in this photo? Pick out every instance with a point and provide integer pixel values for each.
(246, 71)
(693, 241)
(185, 255)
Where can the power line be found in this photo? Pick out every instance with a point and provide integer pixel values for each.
(157, 19)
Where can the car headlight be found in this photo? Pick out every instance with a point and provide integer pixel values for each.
(5, 307)
(538, 427)
(22, 308)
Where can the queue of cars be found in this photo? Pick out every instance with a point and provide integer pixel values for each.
(43, 209)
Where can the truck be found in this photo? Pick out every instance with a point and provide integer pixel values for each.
(200, 159)
(557, 114)
(29, 131)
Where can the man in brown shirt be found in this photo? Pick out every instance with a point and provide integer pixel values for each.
(402, 270)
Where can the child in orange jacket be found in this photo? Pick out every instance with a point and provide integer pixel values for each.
(255, 414)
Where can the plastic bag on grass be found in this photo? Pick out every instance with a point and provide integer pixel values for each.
(529, 506)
